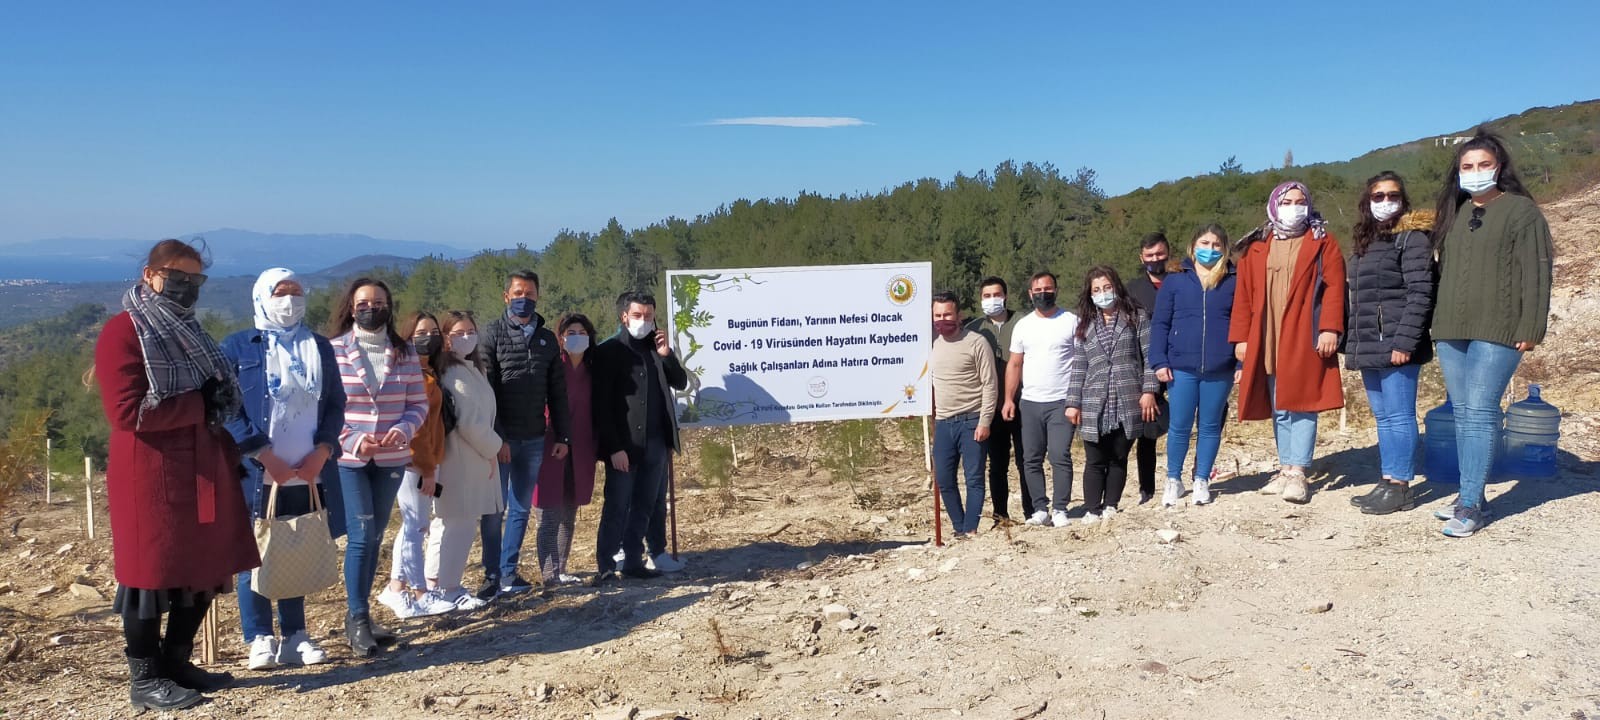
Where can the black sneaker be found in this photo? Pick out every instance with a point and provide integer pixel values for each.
(516, 586)
(605, 577)
(1391, 497)
(489, 590)
(641, 573)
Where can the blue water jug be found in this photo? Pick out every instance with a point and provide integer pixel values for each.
(1528, 449)
(1439, 461)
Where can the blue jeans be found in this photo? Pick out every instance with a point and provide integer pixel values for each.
(1296, 432)
(502, 549)
(1392, 393)
(369, 493)
(953, 444)
(1476, 373)
(1194, 398)
(255, 611)
(630, 501)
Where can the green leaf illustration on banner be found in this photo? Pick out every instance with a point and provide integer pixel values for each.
(688, 316)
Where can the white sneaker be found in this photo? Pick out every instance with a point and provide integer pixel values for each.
(432, 603)
(1174, 490)
(621, 556)
(461, 600)
(1090, 518)
(668, 564)
(300, 648)
(399, 601)
(1059, 519)
(1108, 513)
(1039, 517)
(566, 579)
(1202, 492)
(263, 653)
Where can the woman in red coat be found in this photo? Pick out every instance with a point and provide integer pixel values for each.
(178, 529)
(1288, 314)
(567, 483)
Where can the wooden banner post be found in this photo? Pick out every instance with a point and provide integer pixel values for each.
(47, 471)
(927, 464)
(672, 502)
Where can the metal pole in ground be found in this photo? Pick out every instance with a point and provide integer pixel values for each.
(88, 493)
(47, 471)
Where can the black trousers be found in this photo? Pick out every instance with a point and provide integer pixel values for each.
(1105, 469)
(1004, 436)
(1145, 453)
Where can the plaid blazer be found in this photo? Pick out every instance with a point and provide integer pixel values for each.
(1123, 371)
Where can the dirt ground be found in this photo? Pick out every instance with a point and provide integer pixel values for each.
(1259, 609)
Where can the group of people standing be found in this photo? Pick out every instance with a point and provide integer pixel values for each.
(469, 427)
(1468, 282)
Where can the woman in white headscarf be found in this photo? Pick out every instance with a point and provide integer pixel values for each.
(287, 429)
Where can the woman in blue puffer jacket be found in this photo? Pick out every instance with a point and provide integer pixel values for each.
(1190, 352)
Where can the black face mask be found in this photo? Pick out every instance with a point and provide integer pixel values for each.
(428, 345)
(1043, 300)
(371, 319)
(1157, 269)
(183, 292)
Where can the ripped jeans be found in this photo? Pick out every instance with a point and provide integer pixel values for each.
(369, 492)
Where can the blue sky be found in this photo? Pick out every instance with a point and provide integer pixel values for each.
(505, 122)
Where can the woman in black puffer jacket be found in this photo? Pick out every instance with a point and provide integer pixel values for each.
(1392, 285)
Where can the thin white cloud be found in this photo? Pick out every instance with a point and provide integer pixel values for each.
(793, 121)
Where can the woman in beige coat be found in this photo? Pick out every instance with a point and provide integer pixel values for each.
(469, 473)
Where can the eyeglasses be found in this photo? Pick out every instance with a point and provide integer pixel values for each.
(364, 305)
(425, 336)
(1380, 197)
(1476, 221)
(179, 276)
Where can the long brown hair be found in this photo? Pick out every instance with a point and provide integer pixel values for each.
(570, 319)
(1451, 195)
(1088, 312)
(343, 316)
(453, 318)
(408, 328)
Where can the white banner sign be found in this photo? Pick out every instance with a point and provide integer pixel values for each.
(800, 344)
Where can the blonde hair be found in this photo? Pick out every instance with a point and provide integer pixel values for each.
(1211, 277)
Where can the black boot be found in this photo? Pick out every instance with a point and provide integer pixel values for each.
(1390, 498)
(1373, 494)
(383, 635)
(148, 690)
(358, 630)
(177, 667)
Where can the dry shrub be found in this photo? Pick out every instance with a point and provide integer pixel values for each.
(22, 454)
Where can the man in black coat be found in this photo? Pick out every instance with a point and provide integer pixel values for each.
(1154, 255)
(524, 366)
(636, 424)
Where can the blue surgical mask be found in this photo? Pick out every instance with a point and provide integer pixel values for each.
(1207, 256)
(522, 307)
(1479, 182)
(1104, 300)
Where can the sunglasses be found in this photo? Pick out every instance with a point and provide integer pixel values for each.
(1476, 221)
(1381, 196)
(179, 276)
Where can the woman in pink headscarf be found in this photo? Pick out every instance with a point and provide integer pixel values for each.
(1288, 315)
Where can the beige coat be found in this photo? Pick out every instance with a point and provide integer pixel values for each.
(470, 471)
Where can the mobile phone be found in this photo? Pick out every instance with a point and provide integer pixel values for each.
(438, 487)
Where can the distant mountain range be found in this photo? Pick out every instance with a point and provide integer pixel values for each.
(233, 252)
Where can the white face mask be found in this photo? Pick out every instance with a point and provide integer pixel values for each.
(640, 329)
(464, 345)
(1479, 182)
(285, 310)
(1103, 300)
(1382, 211)
(579, 343)
(1292, 215)
(993, 306)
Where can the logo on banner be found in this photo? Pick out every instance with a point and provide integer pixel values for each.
(911, 393)
(902, 289)
(817, 387)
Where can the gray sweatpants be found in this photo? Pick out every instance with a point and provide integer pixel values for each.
(1045, 428)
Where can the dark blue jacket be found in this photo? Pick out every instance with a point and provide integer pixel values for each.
(247, 349)
(1189, 330)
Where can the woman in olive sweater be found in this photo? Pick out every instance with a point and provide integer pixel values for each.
(1495, 262)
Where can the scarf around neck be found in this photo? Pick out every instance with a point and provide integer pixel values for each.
(179, 356)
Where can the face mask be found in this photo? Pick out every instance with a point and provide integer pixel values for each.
(1157, 269)
(640, 329)
(1382, 211)
(1479, 182)
(1104, 300)
(286, 311)
(1044, 299)
(1292, 215)
(1207, 256)
(372, 319)
(946, 327)
(578, 343)
(427, 345)
(464, 345)
(993, 306)
(522, 307)
(182, 292)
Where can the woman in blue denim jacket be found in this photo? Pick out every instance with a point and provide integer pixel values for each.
(288, 431)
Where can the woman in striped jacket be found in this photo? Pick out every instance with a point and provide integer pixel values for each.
(387, 406)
